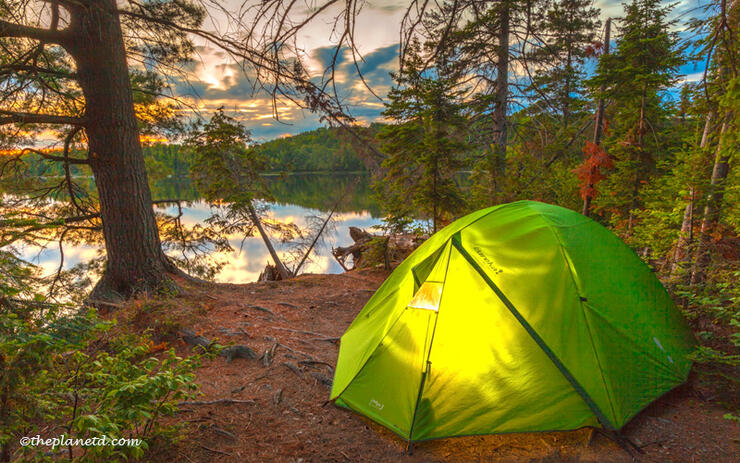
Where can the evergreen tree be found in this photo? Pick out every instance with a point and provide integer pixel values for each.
(487, 46)
(569, 28)
(423, 146)
(635, 78)
(226, 171)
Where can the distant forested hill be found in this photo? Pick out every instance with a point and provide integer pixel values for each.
(320, 150)
(323, 149)
(168, 165)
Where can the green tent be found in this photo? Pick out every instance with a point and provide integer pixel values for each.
(516, 318)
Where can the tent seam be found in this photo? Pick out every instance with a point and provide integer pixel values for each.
(568, 264)
(383, 338)
(534, 335)
(390, 327)
(425, 363)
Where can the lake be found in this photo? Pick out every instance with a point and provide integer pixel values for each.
(296, 198)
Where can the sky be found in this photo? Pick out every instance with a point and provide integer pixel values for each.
(216, 81)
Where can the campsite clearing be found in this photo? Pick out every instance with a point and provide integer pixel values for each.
(288, 420)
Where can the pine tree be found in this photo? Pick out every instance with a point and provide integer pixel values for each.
(635, 78)
(226, 171)
(423, 146)
(487, 47)
(569, 28)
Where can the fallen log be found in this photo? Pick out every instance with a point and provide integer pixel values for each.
(371, 250)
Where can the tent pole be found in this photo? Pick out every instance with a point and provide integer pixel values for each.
(623, 441)
(532, 333)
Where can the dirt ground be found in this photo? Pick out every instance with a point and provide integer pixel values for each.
(286, 418)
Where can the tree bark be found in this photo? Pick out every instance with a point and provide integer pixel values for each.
(135, 260)
(497, 163)
(715, 196)
(237, 176)
(685, 237)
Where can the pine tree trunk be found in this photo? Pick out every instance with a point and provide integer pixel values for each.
(715, 196)
(568, 67)
(685, 237)
(497, 163)
(135, 260)
(239, 180)
(435, 199)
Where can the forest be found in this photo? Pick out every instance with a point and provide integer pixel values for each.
(325, 149)
(627, 116)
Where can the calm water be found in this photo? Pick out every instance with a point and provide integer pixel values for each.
(296, 197)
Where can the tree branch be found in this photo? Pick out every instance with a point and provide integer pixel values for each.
(8, 29)
(11, 68)
(51, 157)
(13, 117)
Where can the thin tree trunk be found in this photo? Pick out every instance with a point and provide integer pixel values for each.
(239, 180)
(686, 236)
(435, 197)
(566, 97)
(599, 120)
(284, 273)
(715, 196)
(497, 163)
(641, 157)
(135, 260)
(315, 240)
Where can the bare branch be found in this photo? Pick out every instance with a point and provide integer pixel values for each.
(8, 29)
(51, 157)
(12, 68)
(13, 117)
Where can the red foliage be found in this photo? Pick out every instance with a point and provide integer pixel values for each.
(594, 49)
(590, 172)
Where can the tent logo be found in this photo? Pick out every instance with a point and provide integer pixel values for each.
(376, 404)
(488, 261)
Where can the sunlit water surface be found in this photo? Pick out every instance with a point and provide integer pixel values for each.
(318, 193)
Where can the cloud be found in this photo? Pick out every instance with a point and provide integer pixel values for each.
(216, 81)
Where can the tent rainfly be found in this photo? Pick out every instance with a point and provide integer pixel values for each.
(520, 317)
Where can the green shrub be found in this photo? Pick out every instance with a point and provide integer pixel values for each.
(714, 310)
(65, 372)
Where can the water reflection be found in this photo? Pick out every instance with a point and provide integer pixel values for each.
(245, 264)
(297, 197)
(319, 191)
